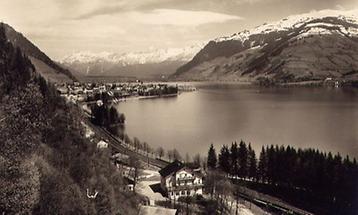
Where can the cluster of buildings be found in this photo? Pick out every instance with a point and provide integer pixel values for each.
(81, 92)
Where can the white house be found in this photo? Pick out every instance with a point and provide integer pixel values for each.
(179, 180)
(102, 144)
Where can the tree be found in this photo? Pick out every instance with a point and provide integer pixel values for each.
(160, 152)
(113, 116)
(212, 159)
(2, 33)
(147, 150)
(234, 156)
(224, 190)
(127, 139)
(170, 155)
(122, 118)
(242, 158)
(176, 155)
(197, 160)
(262, 168)
(134, 163)
(224, 159)
(136, 143)
(211, 180)
(252, 163)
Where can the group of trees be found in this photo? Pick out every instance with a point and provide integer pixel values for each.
(103, 96)
(329, 177)
(238, 160)
(46, 164)
(15, 68)
(106, 115)
(158, 91)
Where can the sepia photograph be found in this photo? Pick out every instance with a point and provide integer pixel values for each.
(178, 107)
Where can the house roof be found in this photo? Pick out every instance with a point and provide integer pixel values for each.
(170, 168)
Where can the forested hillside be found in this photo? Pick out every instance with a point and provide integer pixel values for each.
(46, 165)
(43, 64)
(319, 182)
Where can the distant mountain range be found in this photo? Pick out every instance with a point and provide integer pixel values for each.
(311, 46)
(43, 64)
(154, 64)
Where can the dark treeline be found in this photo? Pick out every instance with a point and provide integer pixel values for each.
(159, 90)
(106, 115)
(330, 181)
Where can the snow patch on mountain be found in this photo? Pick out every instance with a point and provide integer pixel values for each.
(294, 21)
(132, 58)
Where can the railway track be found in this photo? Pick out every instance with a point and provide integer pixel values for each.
(119, 146)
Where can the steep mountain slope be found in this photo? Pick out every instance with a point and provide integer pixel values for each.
(311, 46)
(44, 65)
(47, 165)
(152, 64)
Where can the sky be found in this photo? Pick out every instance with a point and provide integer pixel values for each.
(62, 27)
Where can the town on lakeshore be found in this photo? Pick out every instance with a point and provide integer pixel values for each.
(90, 92)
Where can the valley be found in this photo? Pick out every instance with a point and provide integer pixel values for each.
(263, 121)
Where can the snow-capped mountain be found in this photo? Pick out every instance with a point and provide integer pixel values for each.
(297, 21)
(131, 58)
(310, 46)
(151, 64)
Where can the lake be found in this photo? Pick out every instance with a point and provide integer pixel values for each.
(322, 118)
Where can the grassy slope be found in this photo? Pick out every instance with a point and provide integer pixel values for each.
(49, 73)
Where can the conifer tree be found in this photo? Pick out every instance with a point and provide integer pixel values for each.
(252, 163)
(224, 159)
(234, 158)
(212, 158)
(262, 168)
(243, 159)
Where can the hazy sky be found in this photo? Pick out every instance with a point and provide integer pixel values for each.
(60, 27)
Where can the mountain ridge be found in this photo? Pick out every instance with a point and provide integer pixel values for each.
(297, 48)
(151, 64)
(44, 64)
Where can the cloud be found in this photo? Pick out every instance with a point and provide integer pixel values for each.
(106, 10)
(181, 17)
(109, 7)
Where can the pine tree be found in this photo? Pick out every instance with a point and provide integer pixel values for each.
(243, 159)
(212, 159)
(262, 168)
(3, 38)
(252, 163)
(224, 159)
(234, 156)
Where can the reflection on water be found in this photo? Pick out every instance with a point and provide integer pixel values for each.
(303, 117)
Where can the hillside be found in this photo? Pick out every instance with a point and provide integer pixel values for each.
(311, 46)
(47, 166)
(149, 65)
(44, 65)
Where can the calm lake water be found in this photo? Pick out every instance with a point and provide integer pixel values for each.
(321, 118)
